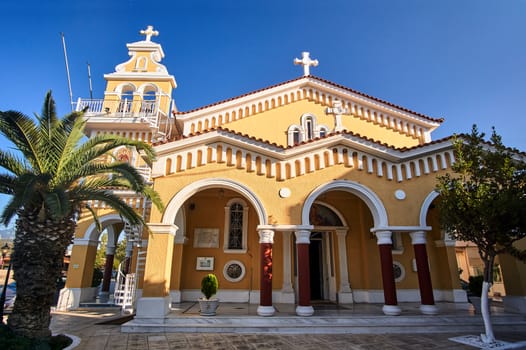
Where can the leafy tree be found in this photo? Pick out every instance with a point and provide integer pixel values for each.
(51, 174)
(484, 202)
(100, 257)
(120, 253)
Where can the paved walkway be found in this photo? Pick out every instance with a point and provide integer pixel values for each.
(85, 324)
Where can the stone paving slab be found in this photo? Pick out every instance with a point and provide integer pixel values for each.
(109, 337)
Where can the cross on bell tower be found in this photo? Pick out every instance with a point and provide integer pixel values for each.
(306, 62)
(149, 32)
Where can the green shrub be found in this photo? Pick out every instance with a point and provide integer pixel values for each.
(475, 285)
(209, 285)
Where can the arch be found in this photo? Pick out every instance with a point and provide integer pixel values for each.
(125, 87)
(176, 202)
(370, 198)
(425, 207)
(106, 221)
(334, 210)
(148, 87)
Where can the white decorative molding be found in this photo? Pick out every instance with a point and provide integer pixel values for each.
(177, 201)
(400, 195)
(284, 192)
(228, 267)
(370, 198)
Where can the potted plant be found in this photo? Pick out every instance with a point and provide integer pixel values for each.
(208, 305)
(475, 291)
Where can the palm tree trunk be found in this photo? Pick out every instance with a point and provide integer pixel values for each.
(37, 260)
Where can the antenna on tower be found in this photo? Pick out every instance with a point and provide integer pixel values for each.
(89, 80)
(67, 71)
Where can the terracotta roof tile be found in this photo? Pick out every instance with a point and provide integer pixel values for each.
(436, 120)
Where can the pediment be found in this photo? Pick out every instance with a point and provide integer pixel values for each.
(357, 106)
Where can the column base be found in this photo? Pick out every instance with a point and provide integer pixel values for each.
(304, 310)
(428, 309)
(152, 307)
(391, 310)
(345, 298)
(104, 297)
(266, 311)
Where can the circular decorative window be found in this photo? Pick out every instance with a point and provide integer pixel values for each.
(399, 271)
(234, 271)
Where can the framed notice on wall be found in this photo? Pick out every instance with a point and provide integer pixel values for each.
(204, 263)
(206, 238)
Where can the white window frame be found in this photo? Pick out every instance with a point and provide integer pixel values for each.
(226, 234)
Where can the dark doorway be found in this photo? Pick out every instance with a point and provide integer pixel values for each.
(316, 266)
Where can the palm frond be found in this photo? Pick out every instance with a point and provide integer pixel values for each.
(12, 163)
(22, 132)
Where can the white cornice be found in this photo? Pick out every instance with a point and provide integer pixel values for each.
(280, 153)
(307, 82)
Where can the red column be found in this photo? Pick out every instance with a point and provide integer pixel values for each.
(266, 238)
(418, 239)
(104, 294)
(388, 281)
(304, 307)
(265, 250)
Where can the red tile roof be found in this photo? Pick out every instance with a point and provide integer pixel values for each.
(436, 120)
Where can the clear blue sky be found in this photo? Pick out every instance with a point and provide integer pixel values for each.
(464, 61)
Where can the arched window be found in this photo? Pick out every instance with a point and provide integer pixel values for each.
(236, 224)
(293, 135)
(148, 102)
(309, 128)
(126, 100)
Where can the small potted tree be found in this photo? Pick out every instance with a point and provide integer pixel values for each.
(208, 305)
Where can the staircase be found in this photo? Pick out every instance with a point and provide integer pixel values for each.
(126, 284)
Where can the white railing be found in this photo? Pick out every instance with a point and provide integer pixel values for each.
(146, 111)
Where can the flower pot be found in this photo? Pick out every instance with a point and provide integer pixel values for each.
(208, 307)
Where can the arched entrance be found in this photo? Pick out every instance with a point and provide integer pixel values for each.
(325, 219)
(218, 219)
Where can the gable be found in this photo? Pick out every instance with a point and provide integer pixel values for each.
(276, 124)
(282, 105)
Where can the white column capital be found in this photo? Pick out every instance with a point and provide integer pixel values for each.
(302, 237)
(266, 236)
(384, 237)
(342, 232)
(110, 250)
(418, 237)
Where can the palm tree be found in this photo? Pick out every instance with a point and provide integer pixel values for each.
(52, 173)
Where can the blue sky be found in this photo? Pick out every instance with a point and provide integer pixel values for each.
(461, 60)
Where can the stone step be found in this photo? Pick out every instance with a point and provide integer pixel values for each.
(323, 325)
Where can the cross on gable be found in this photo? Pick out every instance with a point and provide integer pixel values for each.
(306, 62)
(337, 109)
(149, 32)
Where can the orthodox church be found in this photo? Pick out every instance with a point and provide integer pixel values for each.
(302, 192)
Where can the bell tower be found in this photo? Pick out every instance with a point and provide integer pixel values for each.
(138, 98)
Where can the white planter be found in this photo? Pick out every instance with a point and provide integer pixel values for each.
(208, 306)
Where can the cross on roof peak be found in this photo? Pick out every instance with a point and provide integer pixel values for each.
(148, 32)
(306, 62)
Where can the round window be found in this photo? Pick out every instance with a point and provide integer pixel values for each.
(234, 271)
(399, 271)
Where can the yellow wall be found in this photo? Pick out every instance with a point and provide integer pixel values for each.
(272, 125)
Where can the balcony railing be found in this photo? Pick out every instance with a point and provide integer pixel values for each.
(144, 111)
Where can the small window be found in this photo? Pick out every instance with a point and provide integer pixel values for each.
(236, 223)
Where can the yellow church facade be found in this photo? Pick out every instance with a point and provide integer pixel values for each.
(302, 192)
